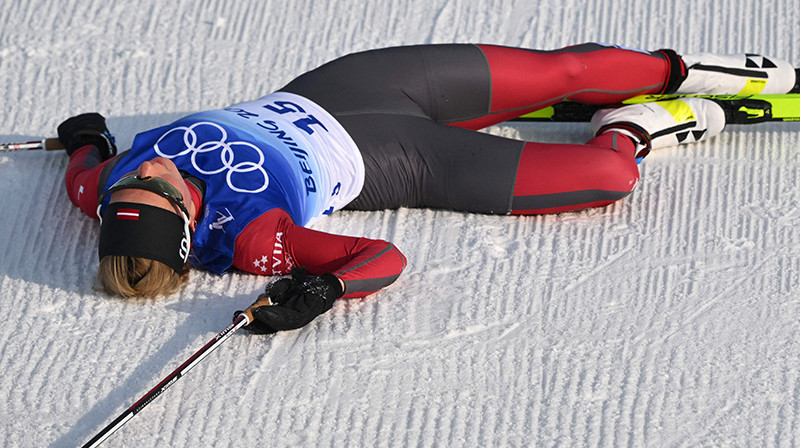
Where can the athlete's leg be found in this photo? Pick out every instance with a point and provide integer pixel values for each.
(415, 162)
(474, 86)
(526, 80)
(553, 178)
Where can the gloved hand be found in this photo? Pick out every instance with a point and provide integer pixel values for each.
(291, 303)
(87, 129)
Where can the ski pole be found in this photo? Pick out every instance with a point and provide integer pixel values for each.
(241, 320)
(49, 144)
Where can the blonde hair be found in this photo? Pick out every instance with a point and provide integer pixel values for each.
(138, 277)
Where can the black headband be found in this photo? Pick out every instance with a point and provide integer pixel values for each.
(138, 230)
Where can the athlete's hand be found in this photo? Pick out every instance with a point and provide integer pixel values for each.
(291, 303)
(87, 129)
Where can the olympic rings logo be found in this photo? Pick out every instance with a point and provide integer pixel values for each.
(226, 154)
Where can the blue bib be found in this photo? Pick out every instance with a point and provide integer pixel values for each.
(252, 161)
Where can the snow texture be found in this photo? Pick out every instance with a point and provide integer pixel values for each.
(667, 319)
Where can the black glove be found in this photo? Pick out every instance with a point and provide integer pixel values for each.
(296, 301)
(87, 129)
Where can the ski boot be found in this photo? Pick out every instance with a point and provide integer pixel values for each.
(662, 123)
(738, 74)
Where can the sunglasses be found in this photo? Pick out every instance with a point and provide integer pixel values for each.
(156, 185)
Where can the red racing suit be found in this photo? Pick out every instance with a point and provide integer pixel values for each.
(411, 112)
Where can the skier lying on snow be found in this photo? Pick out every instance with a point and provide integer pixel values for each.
(380, 129)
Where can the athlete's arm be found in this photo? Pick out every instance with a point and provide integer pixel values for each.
(272, 245)
(82, 176)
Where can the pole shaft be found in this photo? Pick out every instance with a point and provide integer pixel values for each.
(240, 321)
(50, 144)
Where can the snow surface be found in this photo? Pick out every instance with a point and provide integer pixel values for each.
(668, 319)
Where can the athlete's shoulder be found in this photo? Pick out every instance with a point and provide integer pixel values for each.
(262, 247)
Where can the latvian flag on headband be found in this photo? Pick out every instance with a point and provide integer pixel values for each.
(128, 213)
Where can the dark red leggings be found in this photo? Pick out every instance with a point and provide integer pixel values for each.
(412, 112)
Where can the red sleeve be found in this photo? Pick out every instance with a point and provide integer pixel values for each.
(272, 245)
(81, 179)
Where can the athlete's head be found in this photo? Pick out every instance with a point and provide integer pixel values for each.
(145, 231)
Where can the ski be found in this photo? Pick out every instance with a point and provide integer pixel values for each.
(739, 109)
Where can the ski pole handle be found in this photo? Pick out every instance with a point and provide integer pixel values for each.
(263, 300)
(52, 144)
(49, 144)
